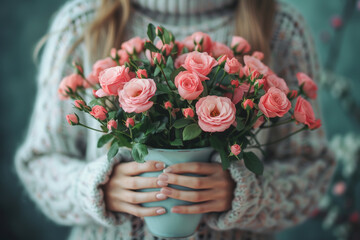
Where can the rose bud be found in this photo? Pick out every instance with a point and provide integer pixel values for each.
(255, 75)
(80, 104)
(258, 55)
(260, 82)
(158, 58)
(336, 22)
(292, 94)
(72, 119)
(99, 112)
(112, 124)
(94, 93)
(232, 66)
(240, 45)
(130, 122)
(259, 122)
(174, 111)
(168, 105)
(73, 81)
(113, 54)
(222, 60)
(141, 73)
(133, 46)
(159, 31)
(248, 104)
(188, 112)
(236, 149)
(235, 83)
(78, 67)
(308, 85)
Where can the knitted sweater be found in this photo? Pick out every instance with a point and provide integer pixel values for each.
(63, 171)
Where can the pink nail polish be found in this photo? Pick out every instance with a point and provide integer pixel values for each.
(162, 184)
(166, 191)
(167, 170)
(163, 177)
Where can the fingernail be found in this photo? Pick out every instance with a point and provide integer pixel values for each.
(175, 210)
(160, 196)
(166, 191)
(167, 170)
(160, 211)
(159, 165)
(163, 177)
(162, 184)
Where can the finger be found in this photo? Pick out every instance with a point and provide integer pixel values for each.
(211, 206)
(191, 196)
(134, 168)
(139, 211)
(188, 181)
(194, 167)
(135, 183)
(139, 197)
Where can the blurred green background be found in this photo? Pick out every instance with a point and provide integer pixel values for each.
(24, 22)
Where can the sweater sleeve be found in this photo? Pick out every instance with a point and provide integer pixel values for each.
(297, 170)
(51, 162)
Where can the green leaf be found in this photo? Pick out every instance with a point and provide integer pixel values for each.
(225, 161)
(161, 128)
(191, 131)
(113, 150)
(123, 141)
(94, 102)
(157, 71)
(151, 32)
(176, 72)
(253, 163)
(151, 47)
(177, 142)
(162, 88)
(170, 63)
(240, 124)
(139, 151)
(104, 139)
(181, 123)
(112, 115)
(166, 36)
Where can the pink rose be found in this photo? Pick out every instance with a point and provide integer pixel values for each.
(304, 113)
(188, 112)
(72, 119)
(135, 95)
(232, 66)
(123, 56)
(248, 104)
(258, 55)
(202, 40)
(240, 45)
(180, 47)
(151, 56)
(239, 93)
(113, 79)
(112, 124)
(97, 68)
(72, 81)
(259, 122)
(260, 82)
(141, 73)
(164, 48)
(274, 103)
(200, 63)
(133, 45)
(252, 64)
(130, 122)
(235, 83)
(275, 81)
(236, 149)
(80, 104)
(339, 188)
(218, 49)
(189, 85)
(167, 105)
(99, 112)
(216, 114)
(180, 60)
(310, 88)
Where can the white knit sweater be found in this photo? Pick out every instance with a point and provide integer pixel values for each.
(63, 171)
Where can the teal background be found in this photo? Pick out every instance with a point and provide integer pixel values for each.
(24, 22)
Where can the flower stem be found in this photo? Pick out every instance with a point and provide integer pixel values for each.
(278, 124)
(80, 124)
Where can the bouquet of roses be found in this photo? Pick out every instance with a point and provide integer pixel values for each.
(164, 93)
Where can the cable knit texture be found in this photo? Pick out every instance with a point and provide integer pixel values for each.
(63, 170)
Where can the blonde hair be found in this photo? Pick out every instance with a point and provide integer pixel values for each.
(254, 20)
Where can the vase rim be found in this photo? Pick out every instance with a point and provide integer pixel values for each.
(180, 150)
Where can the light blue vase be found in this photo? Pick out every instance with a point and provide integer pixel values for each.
(173, 225)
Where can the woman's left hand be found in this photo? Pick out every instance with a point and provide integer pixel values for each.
(215, 186)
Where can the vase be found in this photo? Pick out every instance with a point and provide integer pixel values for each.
(173, 225)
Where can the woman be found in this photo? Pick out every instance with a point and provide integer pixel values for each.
(74, 184)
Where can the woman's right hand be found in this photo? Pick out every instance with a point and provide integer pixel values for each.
(119, 190)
